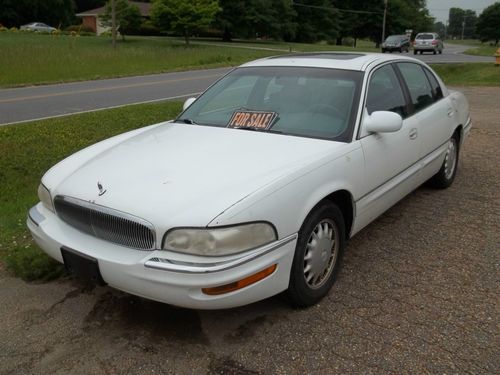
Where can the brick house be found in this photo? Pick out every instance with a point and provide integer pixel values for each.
(90, 18)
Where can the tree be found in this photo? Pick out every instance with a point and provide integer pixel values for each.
(53, 12)
(488, 24)
(84, 5)
(185, 17)
(128, 16)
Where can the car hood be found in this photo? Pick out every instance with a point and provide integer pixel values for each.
(185, 175)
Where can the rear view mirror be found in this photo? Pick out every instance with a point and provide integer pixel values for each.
(187, 103)
(383, 122)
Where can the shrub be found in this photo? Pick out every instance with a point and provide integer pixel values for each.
(13, 29)
(3, 29)
(148, 29)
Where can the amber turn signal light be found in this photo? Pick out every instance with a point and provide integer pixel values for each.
(231, 287)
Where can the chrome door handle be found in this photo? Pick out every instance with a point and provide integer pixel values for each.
(413, 133)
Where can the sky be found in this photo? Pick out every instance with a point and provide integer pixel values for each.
(440, 8)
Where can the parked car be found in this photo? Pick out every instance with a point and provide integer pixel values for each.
(256, 187)
(38, 27)
(400, 43)
(427, 42)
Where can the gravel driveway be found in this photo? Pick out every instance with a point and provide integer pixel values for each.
(418, 293)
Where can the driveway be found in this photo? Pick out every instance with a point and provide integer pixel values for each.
(418, 293)
(30, 103)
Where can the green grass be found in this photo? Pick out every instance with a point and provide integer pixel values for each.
(36, 59)
(28, 150)
(466, 42)
(31, 59)
(472, 74)
(483, 50)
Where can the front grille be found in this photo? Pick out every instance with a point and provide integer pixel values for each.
(105, 223)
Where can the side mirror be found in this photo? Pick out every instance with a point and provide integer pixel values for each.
(383, 122)
(187, 103)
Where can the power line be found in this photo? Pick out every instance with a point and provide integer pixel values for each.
(336, 9)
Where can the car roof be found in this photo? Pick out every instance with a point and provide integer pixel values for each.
(333, 60)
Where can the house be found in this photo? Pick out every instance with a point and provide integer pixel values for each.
(91, 18)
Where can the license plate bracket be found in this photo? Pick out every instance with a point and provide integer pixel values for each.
(82, 266)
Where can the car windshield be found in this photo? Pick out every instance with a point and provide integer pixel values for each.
(425, 36)
(393, 39)
(301, 101)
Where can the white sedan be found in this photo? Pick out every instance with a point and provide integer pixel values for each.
(257, 186)
(38, 27)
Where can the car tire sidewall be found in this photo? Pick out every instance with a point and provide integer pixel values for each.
(439, 180)
(300, 293)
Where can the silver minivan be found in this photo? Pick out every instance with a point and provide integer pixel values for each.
(427, 42)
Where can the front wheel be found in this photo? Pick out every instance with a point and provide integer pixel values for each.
(319, 247)
(445, 176)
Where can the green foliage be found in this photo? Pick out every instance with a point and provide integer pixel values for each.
(461, 20)
(51, 12)
(184, 17)
(128, 17)
(488, 25)
(44, 143)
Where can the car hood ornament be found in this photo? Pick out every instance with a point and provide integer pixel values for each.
(101, 188)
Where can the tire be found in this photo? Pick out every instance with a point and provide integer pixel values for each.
(415, 51)
(400, 50)
(319, 249)
(446, 174)
(440, 51)
(434, 52)
(383, 51)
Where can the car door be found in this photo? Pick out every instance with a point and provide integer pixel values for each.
(435, 114)
(390, 158)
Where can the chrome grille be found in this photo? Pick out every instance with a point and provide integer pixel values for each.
(105, 223)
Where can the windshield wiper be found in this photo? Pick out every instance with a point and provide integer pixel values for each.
(258, 130)
(189, 121)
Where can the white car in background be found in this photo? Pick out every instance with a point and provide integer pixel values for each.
(38, 27)
(257, 186)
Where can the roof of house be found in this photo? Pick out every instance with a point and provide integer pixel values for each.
(144, 8)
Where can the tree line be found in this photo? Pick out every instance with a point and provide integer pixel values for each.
(309, 21)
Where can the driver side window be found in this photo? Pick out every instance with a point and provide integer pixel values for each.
(385, 93)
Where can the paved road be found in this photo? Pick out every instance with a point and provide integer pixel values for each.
(452, 53)
(417, 294)
(29, 103)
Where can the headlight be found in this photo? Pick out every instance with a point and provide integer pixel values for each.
(219, 241)
(44, 196)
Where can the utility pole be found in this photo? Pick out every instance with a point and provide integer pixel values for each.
(113, 23)
(463, 27)
(383, 22)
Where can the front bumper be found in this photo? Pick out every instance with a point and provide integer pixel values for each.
(169, 277)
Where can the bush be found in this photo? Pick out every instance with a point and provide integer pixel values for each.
(3, 29)
(79, 29)
(148, 29)
(13, 29)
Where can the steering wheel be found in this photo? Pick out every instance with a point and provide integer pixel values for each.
(326, 109)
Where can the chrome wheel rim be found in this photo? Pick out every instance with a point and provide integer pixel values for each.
(450, 160)
(321, 253)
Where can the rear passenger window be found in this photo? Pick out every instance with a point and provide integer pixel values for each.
(418, 85)
(437, 92)
(385, 93)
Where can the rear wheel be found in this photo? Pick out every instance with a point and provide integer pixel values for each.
(445, 176)
(415, 51)
(434, 52)
(319, 247)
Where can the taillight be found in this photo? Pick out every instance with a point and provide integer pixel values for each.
(434, 42)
